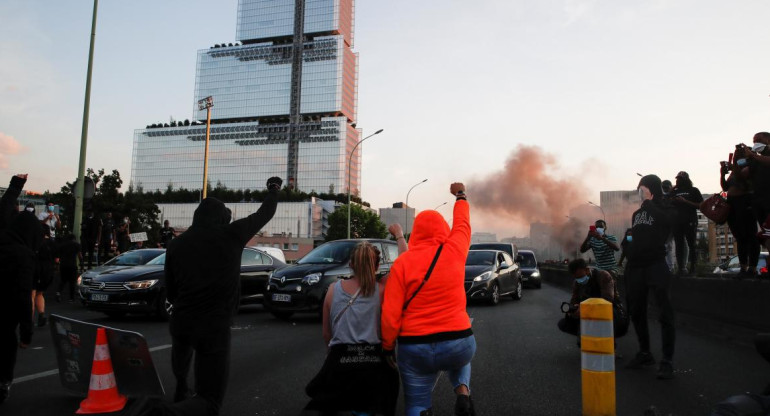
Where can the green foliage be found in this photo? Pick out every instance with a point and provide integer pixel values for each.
(363, 224)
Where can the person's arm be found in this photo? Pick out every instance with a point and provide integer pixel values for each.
(398, 234)
(58, 221)
(461, 218)
(586, 245)
(722, 172)
(765, 160)
(8, 201)
(245, 228)
(611, 242)
(327, 310)
(607, 286)
(574, 301)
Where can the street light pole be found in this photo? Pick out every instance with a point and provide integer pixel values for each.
(80, 183)
(350, 161)
(206, 103)
(604, 217)
(406, 207)
(439, 206)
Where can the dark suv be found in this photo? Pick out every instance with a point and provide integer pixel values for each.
(302, 287)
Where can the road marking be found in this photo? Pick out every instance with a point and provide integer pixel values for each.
(54, 372)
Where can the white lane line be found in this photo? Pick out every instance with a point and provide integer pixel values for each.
(54, 372)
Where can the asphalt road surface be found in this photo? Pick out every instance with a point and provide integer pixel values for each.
(523, 365)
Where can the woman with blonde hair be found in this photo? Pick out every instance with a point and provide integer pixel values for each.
(355, 376)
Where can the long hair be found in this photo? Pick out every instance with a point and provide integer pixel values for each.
(364, 261)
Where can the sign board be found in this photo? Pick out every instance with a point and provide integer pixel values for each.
(132, 364)
(138, 237)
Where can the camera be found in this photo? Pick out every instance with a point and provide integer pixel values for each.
(566, 307)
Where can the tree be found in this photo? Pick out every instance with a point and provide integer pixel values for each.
(363, 224)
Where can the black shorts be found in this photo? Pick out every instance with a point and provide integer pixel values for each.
(42, 281)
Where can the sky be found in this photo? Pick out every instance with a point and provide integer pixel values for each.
(603, 90)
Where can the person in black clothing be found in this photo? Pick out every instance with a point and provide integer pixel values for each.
(627, 238)
(92, 229)
(668, 187)
(741, 219)
(123, 235)
(167, 234)
(45, 264)
(18, 243)
(202, 281)
(69, 254)
(647, 271)
(759, 172)
(107, 237)
(686, 199)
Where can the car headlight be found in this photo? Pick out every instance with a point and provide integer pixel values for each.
(483, 276)
(535, 274)
(312, 279)
(80, 280)
(140, 284)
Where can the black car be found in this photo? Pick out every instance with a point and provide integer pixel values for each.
(530, 273)
(142, 288)
(302, 287)
(490, 274)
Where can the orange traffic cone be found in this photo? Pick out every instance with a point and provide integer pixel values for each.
(103, 396)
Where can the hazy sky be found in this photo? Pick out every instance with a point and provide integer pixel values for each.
(607, 88)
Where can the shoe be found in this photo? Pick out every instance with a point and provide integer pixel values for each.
(5, 391)
(41, 320)
(58, 297)
(665, 370)
(464, 406)
(641, 359)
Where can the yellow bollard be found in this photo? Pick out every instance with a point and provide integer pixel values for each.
(597, 345)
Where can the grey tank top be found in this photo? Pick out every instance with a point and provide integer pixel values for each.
(360, 323)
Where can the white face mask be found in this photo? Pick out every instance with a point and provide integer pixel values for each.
(600, 231)
(641, 194)
(759, 147)
(29, 209)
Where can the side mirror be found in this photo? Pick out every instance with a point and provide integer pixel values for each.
(504, 265)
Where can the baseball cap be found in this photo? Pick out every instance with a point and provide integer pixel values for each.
(683, 174)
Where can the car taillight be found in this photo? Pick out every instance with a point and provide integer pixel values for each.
(763, 270)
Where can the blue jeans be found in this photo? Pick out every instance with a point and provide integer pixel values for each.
(420, 364)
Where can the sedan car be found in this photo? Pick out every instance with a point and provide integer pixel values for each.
(490, 274)
(733, 266)
(142, 288)
(302, 287)
(530, 273)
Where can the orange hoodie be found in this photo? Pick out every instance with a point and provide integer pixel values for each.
(437, 313)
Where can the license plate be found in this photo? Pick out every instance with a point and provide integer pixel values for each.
(277, 297)
(99, 297)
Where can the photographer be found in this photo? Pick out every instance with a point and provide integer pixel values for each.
(591, 283)
(741, 218)
(758, 171)
(603, 245)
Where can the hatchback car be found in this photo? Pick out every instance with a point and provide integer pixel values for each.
(490, 274)
(530, 273)
(302, 287)
(142, 289)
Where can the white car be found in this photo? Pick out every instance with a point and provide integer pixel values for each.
(275, 252)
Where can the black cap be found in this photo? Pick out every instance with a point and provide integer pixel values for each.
(682, 174)
(652, 182)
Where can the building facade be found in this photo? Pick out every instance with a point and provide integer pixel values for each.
(260, 126)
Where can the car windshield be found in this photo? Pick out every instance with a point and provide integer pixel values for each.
(134, 258)
(480, 258)
(160, 260)
(337, 252)
(527, 260)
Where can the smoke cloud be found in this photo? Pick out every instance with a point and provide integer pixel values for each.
(8, 146)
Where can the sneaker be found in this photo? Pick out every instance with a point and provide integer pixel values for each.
(665, 370)
(642, 359)
(41, 320)
(464, 406)
(5, 391)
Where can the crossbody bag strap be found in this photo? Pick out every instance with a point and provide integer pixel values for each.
(350, 302)
(427, 275)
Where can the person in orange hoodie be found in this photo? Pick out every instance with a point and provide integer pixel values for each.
(424, 309)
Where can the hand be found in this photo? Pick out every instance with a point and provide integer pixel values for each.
(594, 234)
(21, 175)
(456, 187)
(725, 170)
(274, 183)
(391, 360)
(396, 230)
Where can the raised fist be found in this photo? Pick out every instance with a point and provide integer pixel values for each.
(274, 183)
(456, 187)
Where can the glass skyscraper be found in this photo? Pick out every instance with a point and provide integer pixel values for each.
(251, 83)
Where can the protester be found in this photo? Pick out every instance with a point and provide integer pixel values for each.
(741, 219)
(107, 237)
(202, 281)
(69, 255)
(627, 238)
(604, 247)
(123, 235)
(647, 271)
(351, 325)
(50, 218)
(398, 234)
(686, 199)
(8, 205)
(45, 264)
(424, 309)
(92, 230)
(759, 172)
(592, 283)
(30, 207)
(167, 233)
(667, 188)
(18, 243)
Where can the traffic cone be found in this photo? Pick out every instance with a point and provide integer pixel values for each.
(103, 396)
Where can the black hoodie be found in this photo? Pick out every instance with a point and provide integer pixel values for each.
(203, 264)
(8, 201)
(651, 226)
(18, 244)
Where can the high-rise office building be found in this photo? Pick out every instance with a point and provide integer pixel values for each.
(275, 113)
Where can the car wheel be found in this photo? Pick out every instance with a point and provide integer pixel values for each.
(282, 315)
(494, 297)
(115, 314)
(163, 308)
(516, 295)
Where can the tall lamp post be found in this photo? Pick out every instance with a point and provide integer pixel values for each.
(604, 217)
(350, 161)
(406, 207)
(439, 206)
(206, 103)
